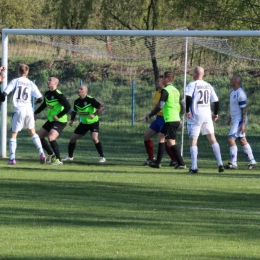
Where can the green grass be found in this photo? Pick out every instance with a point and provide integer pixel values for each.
(83, 210)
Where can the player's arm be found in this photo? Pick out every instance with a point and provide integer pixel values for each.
(215, 112)
(243, 125)
(40, 108)
(65, 103)
(99, 107)
(188, 102)
(160, 105)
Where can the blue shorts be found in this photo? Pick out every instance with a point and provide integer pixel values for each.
(158, 124)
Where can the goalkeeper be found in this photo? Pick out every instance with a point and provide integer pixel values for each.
(88, 109)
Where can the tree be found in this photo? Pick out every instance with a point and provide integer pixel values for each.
(136, 15)
(21, 13)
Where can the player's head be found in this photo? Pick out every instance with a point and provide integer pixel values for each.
(53, 83)
(23, 70)
(236, 81)
(198, 72)
(83, 91)
(159, 83)
(168, 77)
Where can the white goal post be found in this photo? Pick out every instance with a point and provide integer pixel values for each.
(151, 33)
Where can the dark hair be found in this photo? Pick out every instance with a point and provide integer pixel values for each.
(169, 75)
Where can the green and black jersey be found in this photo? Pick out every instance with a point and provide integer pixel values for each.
(57, 105)
(85, 107)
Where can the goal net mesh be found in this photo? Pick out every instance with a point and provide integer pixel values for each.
(119, 72)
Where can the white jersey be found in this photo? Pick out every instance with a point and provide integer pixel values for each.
(202, 94)
(237, 101)
(23, 90)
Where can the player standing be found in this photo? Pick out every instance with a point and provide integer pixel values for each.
(238, 117)
(155, 127)
(88, 109)
(57, 107)
(199, 95)
(170, 104)
(23, 90)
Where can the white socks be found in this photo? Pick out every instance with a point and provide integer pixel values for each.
(12, 147)
(233, 154)
(37, 143)
(216, 150)
(248, 151)
(194, 156)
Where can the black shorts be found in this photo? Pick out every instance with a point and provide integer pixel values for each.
(170, 130)
(82, 129)
(58, 126)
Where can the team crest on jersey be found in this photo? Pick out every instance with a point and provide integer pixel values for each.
(85, 103)
(52, 97)
(234, 96)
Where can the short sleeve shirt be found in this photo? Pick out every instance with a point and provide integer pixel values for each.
(202, 94)
(238, 100)
(23, 90)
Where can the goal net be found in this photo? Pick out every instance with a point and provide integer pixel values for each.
(120, 72)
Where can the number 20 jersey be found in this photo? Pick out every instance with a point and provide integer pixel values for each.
(202, 94)
(23, 89)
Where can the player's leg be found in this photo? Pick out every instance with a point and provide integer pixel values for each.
(148, 142)
(170, 136)
(17, 124)
(94, 128)
(30, 125)
(12, 147)
(248, 152)
(208, 129)
(78, 133)
(43, 133)
(160, 124)
(232, 164)
(57, 128)
(193, 133)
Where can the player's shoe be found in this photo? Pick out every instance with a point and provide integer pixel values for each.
(251, 166)
(221, 168)
(12, 162)
(102, 159)
(178, 166)
(56, 162)
(67, 158)
(42, 158)
(50, 158)
(173, 163)
(230, 165)
(154, 164)
(193, 171)
(149, 161)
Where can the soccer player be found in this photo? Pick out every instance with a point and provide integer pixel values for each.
(155, 127)
(199, 94)
(238, 118)
(57, 107)
(170, 104)
(88, 109)
(23, 90)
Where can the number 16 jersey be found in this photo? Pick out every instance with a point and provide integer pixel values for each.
(202, 94)
(23, 90)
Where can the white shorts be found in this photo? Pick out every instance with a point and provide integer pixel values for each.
(235, 130)
(22, 118)
(205, 128)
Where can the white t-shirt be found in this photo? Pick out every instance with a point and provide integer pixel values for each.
(23, 90)
(237, 101)
(202, 94)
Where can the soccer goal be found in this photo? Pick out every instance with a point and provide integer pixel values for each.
(120, 68)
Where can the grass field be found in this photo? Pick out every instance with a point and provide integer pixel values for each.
(83, 210)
